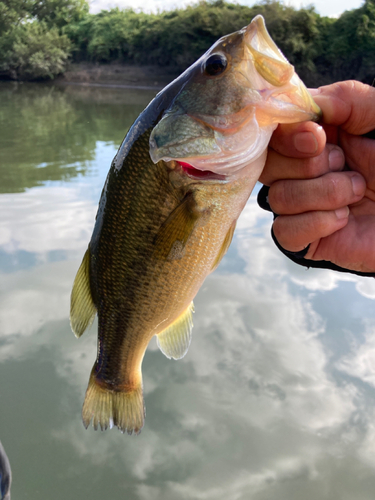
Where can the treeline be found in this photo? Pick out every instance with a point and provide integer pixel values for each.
(39, 37)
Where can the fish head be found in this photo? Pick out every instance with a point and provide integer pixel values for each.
(231, 101)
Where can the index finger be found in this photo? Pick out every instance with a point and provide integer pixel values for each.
(298, 140)
(349, 104)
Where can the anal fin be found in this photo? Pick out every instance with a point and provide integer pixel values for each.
(224, 247)
(175, 340)
(82, 308)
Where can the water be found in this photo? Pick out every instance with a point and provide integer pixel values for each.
(276, 397)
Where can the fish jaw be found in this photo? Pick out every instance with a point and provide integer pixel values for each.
(286, 99)
(223, 122)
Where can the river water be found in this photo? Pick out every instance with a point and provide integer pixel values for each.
(275, 399)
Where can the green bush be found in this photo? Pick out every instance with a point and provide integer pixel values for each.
(32, 40)
(58, 13)
(32, 51)
(177, 38)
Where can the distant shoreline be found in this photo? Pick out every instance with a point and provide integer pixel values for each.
(111, 85)
(117, 75)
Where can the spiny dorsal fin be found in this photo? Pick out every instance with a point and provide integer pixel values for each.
(224, 247)
(176, 230)
(82, 308)
(109, 408)
(174, 341)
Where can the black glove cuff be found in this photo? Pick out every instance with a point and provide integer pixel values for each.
(298, 257)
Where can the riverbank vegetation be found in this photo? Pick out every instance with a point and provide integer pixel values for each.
(39, 37)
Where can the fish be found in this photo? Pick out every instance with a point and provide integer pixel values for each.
(168, 210)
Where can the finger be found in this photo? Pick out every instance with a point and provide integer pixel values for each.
(350, 105)
(360, 155)
(328, 192)
(278, 166)
(296, 232)
(298, 140)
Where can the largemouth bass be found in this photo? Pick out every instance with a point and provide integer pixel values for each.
(169, 207)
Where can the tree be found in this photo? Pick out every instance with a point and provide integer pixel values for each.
(33, 51)
(32, 42)
(12, 13)
(59, 13)
(353, 43)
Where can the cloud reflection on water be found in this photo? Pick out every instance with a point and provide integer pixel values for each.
(46, 219)
(252, 405)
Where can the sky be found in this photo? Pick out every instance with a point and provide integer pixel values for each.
(331, 8)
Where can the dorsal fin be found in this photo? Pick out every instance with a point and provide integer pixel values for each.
(174, 341)
(82, 308)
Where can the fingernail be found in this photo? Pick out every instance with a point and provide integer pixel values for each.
(314, 91)
(358, 185)
(336, 159)
(342, 213)
(305, 142)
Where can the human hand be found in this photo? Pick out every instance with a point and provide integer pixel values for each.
(320, 201)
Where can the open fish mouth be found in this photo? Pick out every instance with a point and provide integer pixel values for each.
(202, 175)
(283, 92)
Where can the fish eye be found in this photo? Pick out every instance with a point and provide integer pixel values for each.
(215, 64)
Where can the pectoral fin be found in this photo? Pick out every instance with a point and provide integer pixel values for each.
(224, 247)
(82, 308)
(176, 230)
(174, 341)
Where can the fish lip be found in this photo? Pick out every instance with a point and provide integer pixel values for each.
(258, 27)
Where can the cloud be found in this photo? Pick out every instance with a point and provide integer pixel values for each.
(333, 8)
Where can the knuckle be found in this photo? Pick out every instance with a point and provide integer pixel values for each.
(279, 196)
(284, 233)
(292, 231)
(320, 222)
(332, 188)
(316, 166)
(342, 89)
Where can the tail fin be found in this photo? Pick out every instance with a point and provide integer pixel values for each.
(108, 408)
